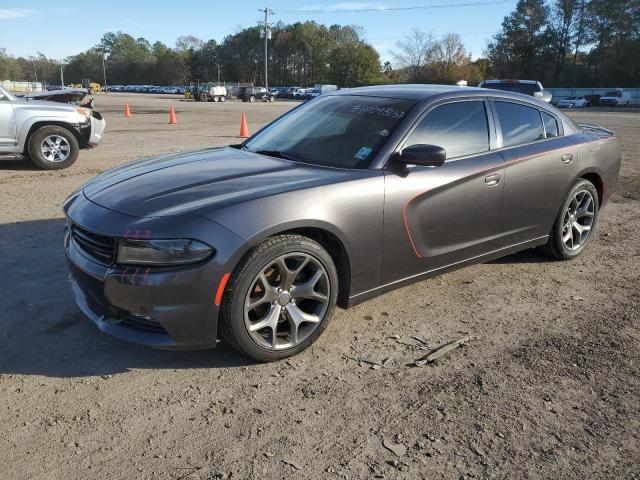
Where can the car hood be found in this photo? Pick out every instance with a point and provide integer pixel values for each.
(22, 103)
(195, 183)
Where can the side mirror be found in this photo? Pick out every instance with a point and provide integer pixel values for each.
(424, 155)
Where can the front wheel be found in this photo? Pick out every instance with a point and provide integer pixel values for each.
(279, 299)
(575, 222)
(53, 148)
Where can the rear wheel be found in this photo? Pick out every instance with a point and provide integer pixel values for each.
(53, 148)
(223, 99)
(280, 298)
(575, 223)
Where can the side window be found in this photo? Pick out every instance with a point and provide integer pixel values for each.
(519, 124)
(550, 125)
(461, 128)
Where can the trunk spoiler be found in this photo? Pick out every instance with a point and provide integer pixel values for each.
(593, 128)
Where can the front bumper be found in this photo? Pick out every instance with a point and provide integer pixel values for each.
(98, 125)
(171, 308)
(162, 309)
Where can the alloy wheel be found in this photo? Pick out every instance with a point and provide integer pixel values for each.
(55, 148)
(287, 301)
(578, 220)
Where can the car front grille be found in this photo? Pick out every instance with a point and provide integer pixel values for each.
(102, 249)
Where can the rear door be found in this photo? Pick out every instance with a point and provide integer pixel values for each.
(540, 164)
(7, 123)
(438, 216)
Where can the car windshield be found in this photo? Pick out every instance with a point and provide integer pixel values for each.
(570, 98)
(526, 88)
(613, 94)
(335, 131)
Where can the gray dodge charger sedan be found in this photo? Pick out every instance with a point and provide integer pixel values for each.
(341, 199)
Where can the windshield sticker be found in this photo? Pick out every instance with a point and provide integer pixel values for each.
(363, 153)
(381, 111)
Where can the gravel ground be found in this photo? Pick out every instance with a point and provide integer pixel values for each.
(549, 388)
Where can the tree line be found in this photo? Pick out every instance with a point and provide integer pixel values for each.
(300, 53)
(559, 42)
(570, 42)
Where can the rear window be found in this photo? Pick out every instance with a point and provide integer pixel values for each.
(519, 124)
(550, 125)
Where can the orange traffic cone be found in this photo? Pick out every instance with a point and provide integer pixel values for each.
(244, 131)
(127, 112)
(172, 116)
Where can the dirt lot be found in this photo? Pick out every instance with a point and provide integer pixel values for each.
(551, 389)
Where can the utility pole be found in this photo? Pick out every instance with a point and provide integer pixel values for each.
(266, 34)
(104, 69)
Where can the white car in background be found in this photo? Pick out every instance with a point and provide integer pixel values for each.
(573, 102)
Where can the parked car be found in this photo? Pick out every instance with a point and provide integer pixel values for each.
(301, 93)
(288, 92)
(526, 87)
(616, 98)
(573, 102)
(50, 133)
(344, 198)
(251, 94)
(592, 100)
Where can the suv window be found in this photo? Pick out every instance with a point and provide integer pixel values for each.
(550, 125)
(519, 124)
(461, 128)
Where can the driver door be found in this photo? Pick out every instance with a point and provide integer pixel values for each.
(439, 216)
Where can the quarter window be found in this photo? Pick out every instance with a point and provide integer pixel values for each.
(461, 128)
(550, 125)
(519, 124)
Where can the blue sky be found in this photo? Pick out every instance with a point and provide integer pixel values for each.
(57, 29)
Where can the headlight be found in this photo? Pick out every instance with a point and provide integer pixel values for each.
(83, 111)
(162, 252)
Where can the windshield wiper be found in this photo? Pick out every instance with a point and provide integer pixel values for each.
(280, 154)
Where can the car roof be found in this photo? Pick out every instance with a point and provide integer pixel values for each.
(421, 92)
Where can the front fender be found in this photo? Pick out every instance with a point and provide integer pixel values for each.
(72, 121)
(351, 211)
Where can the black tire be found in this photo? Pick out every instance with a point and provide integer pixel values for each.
(35, 152)
(232, 327)
(272, 99)
(555, 247)
(204, 97)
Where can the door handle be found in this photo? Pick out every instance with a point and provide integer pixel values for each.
(492, 180)
(567, 158)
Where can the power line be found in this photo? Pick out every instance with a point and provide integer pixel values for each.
(480, 3)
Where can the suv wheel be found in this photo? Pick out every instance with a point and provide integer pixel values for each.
(279, 299)
(53, 148)
(575, 223)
